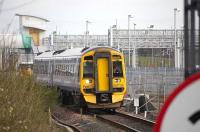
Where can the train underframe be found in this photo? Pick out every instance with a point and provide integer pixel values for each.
(77, 99)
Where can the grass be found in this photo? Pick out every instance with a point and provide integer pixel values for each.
(147, 61)
(24, 104)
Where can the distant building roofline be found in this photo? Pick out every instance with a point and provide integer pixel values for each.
(32, 16)
(42, 29)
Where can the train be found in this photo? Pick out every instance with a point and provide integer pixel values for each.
(91, 77)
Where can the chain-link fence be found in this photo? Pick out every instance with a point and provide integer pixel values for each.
(154, 84)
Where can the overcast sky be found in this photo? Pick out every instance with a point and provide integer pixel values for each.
(69, 16)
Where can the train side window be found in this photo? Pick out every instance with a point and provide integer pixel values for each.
(72, 71)
(78, 72)
(42, 69)
(56, 69)
(117, 69)
(88, 69)
(67, 70)
(45, 66)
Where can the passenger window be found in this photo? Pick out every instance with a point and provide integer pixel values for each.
(88, 69)
(117, 69)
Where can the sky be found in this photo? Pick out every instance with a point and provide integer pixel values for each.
(69, 16)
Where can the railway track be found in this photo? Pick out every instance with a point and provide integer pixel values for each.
(63, 124)
(100, 121)
(127, 122)
(71, 118)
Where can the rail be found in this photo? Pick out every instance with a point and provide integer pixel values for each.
(62, 123)
(127, 122)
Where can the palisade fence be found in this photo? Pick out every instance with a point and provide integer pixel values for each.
(8, 59)
(15, 50)
(155, 83)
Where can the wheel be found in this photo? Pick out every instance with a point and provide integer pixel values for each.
(64, 97)
(113, 110)
(83, 105)
(70, 99)
(76, 100)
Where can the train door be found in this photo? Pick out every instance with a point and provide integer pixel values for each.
(103, 74)
(103, 77)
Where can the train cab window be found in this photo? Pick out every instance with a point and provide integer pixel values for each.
(116, 57)
(88, 69)
(117, 69)
(88, 58)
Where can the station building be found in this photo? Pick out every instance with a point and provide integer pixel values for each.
(19, 49)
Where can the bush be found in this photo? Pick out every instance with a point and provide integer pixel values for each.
(24, 104)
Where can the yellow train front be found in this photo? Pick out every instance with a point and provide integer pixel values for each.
(102, 77)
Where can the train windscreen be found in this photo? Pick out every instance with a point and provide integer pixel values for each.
(88, 69)
(117, 69)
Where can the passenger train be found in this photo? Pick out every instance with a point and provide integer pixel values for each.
(90, 77)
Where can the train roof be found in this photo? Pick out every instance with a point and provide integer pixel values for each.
(78, 52)
(45, 55)
(96, 47)
(70, 53)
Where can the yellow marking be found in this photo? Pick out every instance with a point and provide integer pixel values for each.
(117, 98)
(90, 99)
(103, 77)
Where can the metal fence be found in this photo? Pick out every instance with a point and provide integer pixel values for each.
(155, 83)
(151, 80)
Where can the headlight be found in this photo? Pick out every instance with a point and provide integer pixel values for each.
(117, 80)
(88, 81)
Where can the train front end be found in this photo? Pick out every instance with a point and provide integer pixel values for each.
(103, 78)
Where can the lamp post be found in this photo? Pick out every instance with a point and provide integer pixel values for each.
(86, 33)
(129, 53)
(152, 54)
(134, 49)
(175, 47)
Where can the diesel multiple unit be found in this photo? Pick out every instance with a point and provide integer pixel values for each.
(91, 77)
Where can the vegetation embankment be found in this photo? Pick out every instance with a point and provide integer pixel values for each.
(24, 104)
